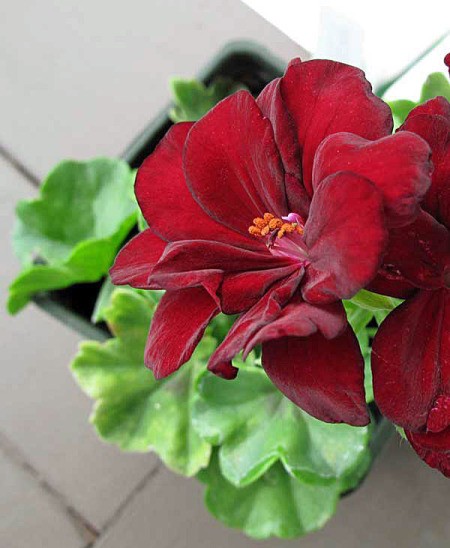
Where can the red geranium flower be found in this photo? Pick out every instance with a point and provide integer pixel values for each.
(275, 209)
(411, 351)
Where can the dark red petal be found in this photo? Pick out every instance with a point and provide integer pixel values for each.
(420, 252)
(190, 263)
(447, 62)
(165, 200)
(300, 319)
(136, 260)
(232, 164)
(437, 106)
(272, 106)
(324, 377)
(432, 448)
(177, 327)
(263, 312)
(390, 284)
(325, 97)
(241, 291)
(346, 237)
(435, 129)
(411, 359)
(399, 166)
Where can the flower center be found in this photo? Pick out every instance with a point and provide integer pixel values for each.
(283, 236)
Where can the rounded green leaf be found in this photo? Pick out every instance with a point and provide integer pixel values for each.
(71, 232)
(256, 426)
(277, 504)
(133, 410)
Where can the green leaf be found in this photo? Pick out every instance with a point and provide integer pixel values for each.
(401, 432)
(436, 84)
(277, 504)
(103, 300)
(74, 228)
(360, 318)
(193, 99)
(400, 110)
(133, 410)
(256, 426)
(373, 301)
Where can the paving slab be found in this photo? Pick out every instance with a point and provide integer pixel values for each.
(83, 78)
(43, 412)
(29, 516)
(401, 504)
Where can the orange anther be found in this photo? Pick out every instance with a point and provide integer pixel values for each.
(259, 222)
(265, 230)
(254, 230)
(287, 227)
(299, 229)
(275, 223)
(268, 217)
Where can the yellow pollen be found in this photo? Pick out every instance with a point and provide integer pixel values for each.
(259, 222)
(254, 230)
(275, 223)
(262, 226)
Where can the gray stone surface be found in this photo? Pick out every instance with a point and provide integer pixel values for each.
(82, 78)
(43, 412)
(29, 516)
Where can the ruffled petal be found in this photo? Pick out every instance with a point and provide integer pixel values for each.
(301, 319)
(272, 106)
(195, 262)
(241, 291)
(166, 202)
(420, 253)
(391, 284)
(267, 309)
(399, 166)
(232, 164)
(346, 238)
(325, 377)
(325, 97)
(177, 327)
(432, 122)
(434, 449)
(136, 260)
(438, 106)
(411, 360)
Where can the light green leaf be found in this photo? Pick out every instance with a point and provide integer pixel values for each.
(103, 300)
(277, 504)
(373, 301)
(74, 228)
(400, 432)
(400, 110)
(193, 99)
(133, 410)
(257, 426)
(436, 84)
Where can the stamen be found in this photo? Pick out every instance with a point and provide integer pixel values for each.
(276, 227)
(259, 222)
(254, 230)
(275, 223)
